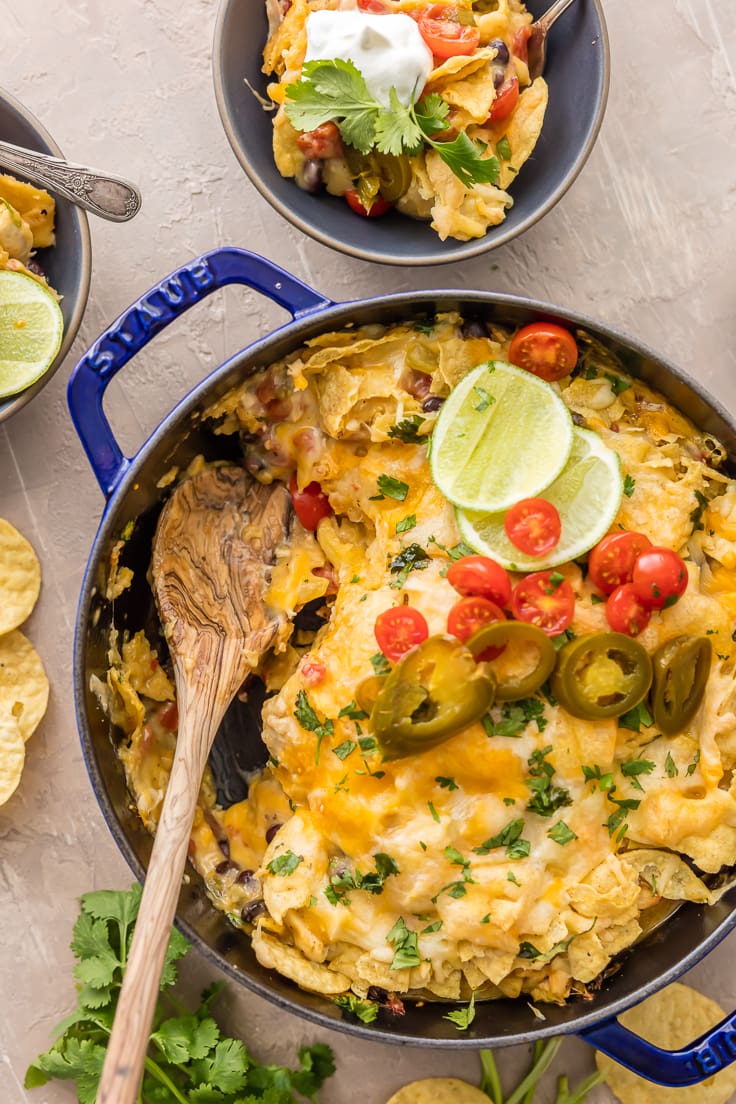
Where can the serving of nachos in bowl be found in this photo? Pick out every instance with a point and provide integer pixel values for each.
(407, 132)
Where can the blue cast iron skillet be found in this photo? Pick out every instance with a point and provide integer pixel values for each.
(577, 71)
(130, 487)
(68, 265)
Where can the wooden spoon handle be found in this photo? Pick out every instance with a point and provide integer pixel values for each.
(126, 1050)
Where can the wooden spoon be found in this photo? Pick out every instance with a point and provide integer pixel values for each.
(215, 537)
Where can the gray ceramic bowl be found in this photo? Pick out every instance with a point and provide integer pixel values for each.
(577, 72)
(68, 264)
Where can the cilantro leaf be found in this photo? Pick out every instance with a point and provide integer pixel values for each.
(364, 1010)
(284, 865)
(397, 131)
(334, 91)
(406, 949)
(392, 488)
(634, 767)
(561, 833)
(463, 157)
(431, 114)
(462, 1017)
(308, 719)
(407, 430)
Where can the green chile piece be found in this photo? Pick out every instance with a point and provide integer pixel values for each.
(501, 633)
(601, 675)
(434, 691)
(681, 669)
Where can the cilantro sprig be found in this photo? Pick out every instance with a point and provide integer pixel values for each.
(188, 1057)
(335, 91)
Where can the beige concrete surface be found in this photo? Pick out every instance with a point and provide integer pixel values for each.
(644, 240)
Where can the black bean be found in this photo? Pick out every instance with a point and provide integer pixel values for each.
(272, 832)
(376, 993)
(578, 419)
(224, 866)
(499, 75)
(251, 911)
(224, 845)
(244, 877)
(311, 178)
(34, 266)
(502, 51)
(474, 327)
(432, 403)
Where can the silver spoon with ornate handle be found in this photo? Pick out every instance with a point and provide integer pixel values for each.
(110, 197)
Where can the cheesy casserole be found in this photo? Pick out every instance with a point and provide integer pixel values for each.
(520, 855)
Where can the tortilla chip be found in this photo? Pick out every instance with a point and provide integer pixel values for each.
(524, 129)
(12, 755)
(20, 577)
(460, 213)
(275, 955)
(439, 1090)
(24, 687)
(672, 1018)
(35, 206)
(472, 96)
(464, 64)
(667, 875)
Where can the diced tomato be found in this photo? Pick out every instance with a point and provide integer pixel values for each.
(322, 142)
(310, 504)
(506, 100)
(445, 36)
(480, 576)
(398, 630)
(313, 670)
(625, 611)
(520, 43)
(611, 562)
(377, 7)
(379, 206)
(544, 599)
(533, 526)
(659, 577)
(168, 716)
(545, 349)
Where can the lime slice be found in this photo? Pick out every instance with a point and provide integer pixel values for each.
(31, 325)
(587, 495)
(502, 435)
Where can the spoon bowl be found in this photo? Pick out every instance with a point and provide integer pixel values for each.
(215, 538)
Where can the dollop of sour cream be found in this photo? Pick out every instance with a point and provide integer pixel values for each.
(387, 49)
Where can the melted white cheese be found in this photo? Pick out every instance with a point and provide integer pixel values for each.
(387, 49)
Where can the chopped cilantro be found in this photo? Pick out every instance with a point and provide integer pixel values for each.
(433, 811)
(485, 399)
(596, 600)
(511, 877)
(411, 558)
(546, 798)
(364, 1010)
(617, 383)
(426, 328)
(367, 743)
(446, 783)
(309, 720)
(515, 716)
(691, 766)
(459, 550)
(670, 766)
(353, 712)
(593, 774)
(696, 517)
(634, 767)
(636, 717)
(503, 148)
(406, 524)
(404, 942)
(561, 834)
(372, 882)
(285, 864)
(510, 838)
(430, 928)
(392, 488)
(407, 430)
(629, 485)
(380, 664)
(462, 1017)
(556, 577)
(344, 749)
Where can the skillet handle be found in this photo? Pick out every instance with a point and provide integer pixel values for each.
(689, 1065)
(150, 314)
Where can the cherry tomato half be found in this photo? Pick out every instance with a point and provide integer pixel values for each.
(445, 37)
(506, 100)
(310, 504)
(378, 7)
(379, 206)
(398, 630)
(625, 611)
(659, 577)
(480, 576)
(545, 600)
(544, 348)
(533, 526)
(313, 670)
(520, 44)
(470, 614)
(612, 560)
(168, 716)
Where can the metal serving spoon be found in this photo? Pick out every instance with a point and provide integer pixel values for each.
(215, 538)
(110, 197)
(537, 42)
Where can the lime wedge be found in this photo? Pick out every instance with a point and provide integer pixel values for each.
(31, 326)
(502, 435)
(587, 495)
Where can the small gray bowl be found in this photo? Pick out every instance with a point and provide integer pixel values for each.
(577, 71)
(68, 264)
